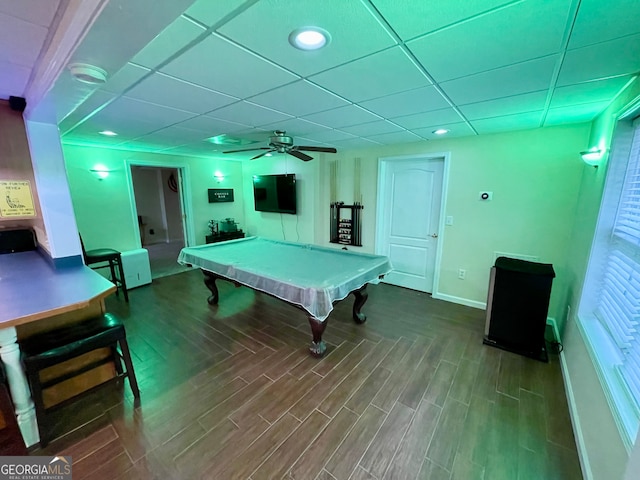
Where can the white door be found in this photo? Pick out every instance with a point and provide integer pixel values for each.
(411, 195)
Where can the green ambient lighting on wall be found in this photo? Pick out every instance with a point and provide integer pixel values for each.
(100, 171)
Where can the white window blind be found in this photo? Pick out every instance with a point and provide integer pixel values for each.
(618, 307)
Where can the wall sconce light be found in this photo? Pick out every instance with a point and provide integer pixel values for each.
(100, 171)
(592, 156)
(218, 176)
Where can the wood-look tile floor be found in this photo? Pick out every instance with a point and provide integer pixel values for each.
(230, 392)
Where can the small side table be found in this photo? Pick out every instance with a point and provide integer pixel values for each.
(223, 236)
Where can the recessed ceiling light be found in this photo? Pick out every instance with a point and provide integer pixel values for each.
(441, 131)
(86, 73)
(309, 38)
(108, 133)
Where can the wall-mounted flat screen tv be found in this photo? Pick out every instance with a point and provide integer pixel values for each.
(275, 193)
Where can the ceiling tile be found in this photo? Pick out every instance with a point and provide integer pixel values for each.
(210, 13)
(124, 78)
(123, 28)
(96, 100)
(174, 136)
(459, 129)
(184, 96)
(345, 22)
(406, 103)
(355, 143)
(20, 41)
(425, 17)
(599, 21)
(426, 119)
(525, 77)
(585, 112)
(124, 110)
(373, 128)
(211, 126)
(32, 11)
(173, 38)
(288, 99)
(298, 126)
(395, 138)
(527, 102)
(126, 131)
(589, 92)
(249, 114)
(479, 45)
(343, 116)
(327, 136)
(520, 121)
(364, 79)
(602, 60)
(245, 74)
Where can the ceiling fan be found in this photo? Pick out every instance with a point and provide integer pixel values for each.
(282, 143)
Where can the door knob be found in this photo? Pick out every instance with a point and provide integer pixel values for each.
(434, 235)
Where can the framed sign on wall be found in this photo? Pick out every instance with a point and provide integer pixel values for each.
(220, 195)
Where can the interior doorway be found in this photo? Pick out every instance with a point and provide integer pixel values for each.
(410, 193)
(159, 207)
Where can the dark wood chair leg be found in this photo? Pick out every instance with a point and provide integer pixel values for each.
(123, 282)
(114, 278)
(126, 356)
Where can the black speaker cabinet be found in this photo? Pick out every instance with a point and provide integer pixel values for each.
(517, 306)
(17, 103)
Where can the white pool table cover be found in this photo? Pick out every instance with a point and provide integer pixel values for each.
(307, 275)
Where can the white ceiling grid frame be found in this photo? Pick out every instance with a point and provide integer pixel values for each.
(477, 45)
(345, 20)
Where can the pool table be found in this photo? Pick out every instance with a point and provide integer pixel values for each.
(308, 276)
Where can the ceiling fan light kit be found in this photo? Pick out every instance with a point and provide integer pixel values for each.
(280, 142)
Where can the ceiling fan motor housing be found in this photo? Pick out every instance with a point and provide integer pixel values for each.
(281, 141)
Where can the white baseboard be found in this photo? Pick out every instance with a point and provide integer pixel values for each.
(573, 409)
(460, 300)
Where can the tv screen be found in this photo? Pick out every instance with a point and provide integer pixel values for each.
(275, 193)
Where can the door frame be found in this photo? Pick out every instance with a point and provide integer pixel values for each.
(383, 168)
(184, 190)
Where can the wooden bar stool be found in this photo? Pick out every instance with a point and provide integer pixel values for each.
(44, 350)
(107, 257)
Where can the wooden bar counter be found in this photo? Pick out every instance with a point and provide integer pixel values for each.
(36, 296)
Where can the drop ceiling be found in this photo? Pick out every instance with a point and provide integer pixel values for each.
(394, 71)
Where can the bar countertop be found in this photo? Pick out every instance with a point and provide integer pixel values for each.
(32, 289)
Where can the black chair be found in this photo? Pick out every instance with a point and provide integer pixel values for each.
(107, 257)
(47, 349)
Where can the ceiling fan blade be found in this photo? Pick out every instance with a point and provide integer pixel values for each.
(317, 149)
(302, 156)
(247, 149)
(269, 150)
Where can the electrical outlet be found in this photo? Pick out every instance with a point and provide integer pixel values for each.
(462, 273)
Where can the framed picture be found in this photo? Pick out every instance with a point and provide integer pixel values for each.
(220, 195)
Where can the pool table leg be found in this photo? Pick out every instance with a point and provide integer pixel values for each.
(210, 282)
(361, 297)
(318, 347)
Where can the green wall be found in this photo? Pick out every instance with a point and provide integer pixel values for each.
(603, 450)
(103, 207)
(535, 178)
